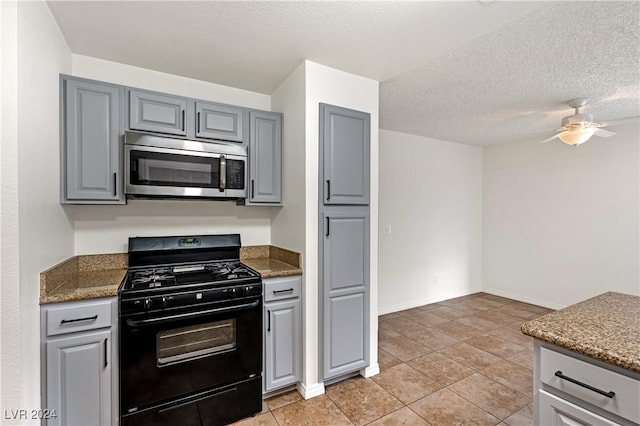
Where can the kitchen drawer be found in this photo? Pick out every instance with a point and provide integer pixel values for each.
(78, 316)
(556, 411)
(625, 403)
(282, 288)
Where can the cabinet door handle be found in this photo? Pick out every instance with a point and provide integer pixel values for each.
(106, 354)
(115, 184)
(253, 189)
(198, 122)
(609, 394)
(66, 321)
(289, 290)
(327, 234)
(268, 320)
(328, 190)
(183, 120)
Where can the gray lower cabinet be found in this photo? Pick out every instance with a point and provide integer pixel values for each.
(345, 288)
(573, 389)
(79, 379)
(555, 411)
(218, 121)
(265, 158)
(79, 386)
(344, 140)
(91, 124)
(155, 112)
(283, 332)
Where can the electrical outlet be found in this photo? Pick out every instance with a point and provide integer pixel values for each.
(387, 228)
(435, 280)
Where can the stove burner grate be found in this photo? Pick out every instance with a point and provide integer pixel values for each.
(152, 278)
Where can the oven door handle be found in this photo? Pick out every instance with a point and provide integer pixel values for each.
(170, 318)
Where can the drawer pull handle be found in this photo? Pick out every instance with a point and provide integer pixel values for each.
(289, 290)
(609, 394)
(66, 321)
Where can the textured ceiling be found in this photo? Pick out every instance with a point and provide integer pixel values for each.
(472, 72)
(516, 79)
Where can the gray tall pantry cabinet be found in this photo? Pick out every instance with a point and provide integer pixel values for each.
(344, 239)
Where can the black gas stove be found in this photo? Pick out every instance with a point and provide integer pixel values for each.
(176, 272)
(218, 273)
(190, 332)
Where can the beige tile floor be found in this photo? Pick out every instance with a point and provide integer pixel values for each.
(462, 361)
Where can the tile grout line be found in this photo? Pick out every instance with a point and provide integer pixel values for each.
(485, 304)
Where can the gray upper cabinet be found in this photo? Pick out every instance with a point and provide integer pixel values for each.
(344, 140)
(175, 115)
(265, 158)
(345, 278)
(218, 121)
(91, 129)
(156, 112)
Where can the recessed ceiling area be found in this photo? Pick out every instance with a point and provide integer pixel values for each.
(472, 72)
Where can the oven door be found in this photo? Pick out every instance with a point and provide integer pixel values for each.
(164, 356)
(156, 171)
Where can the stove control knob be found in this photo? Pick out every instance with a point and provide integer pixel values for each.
(147, 303)
(233, 292)
(165, 301)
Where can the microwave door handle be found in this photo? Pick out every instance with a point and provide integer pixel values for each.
(223, 173)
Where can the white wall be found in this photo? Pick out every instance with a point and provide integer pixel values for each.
(328, 85)
(561, 223)
(288, 222)
(9, 236)
(44, 233)
(128, 75)
(105, 229)
(431, 197)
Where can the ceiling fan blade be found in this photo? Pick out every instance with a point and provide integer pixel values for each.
(604, 133)
(545, 130)
(551, 138)
(622, 121)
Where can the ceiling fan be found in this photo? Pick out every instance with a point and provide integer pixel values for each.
(578, 128)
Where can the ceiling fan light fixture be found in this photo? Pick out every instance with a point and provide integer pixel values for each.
(576, 136)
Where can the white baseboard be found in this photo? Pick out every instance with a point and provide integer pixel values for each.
(525, 299)
(370, 371)
(310, 391)
(420, 302)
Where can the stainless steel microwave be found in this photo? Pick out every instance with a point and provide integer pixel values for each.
(158, 166)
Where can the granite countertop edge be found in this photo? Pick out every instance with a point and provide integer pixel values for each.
(604, 327)
(86, 277)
